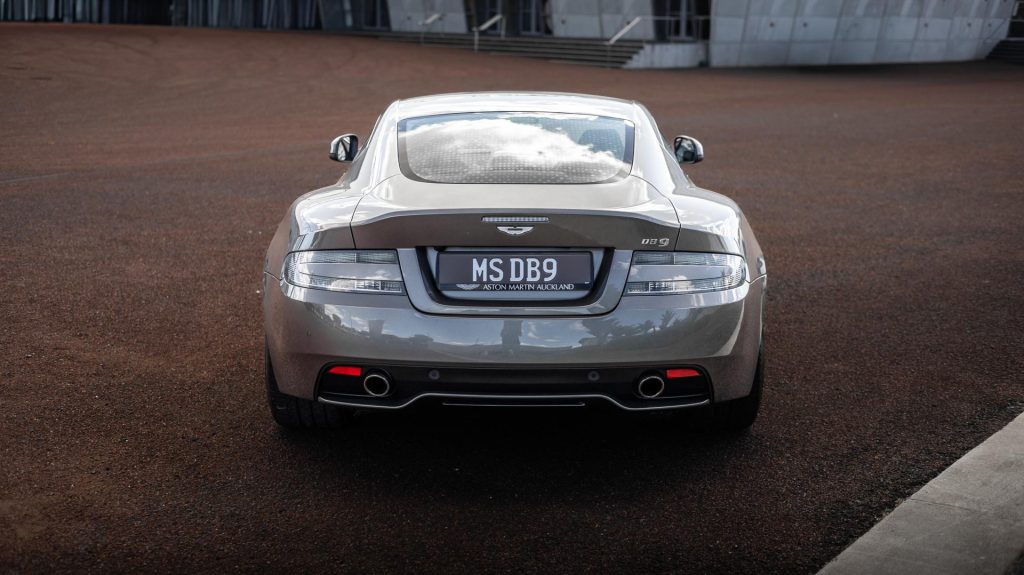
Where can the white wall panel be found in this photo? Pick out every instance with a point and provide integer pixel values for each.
(852, 28)
(898, 28)
(731, 8)
(928, 51)
(815, 29)
(967, 27)
(863, 8)
(893, 52)
(960, 50)
(763, 53)
(768, 29)
(809, 32)
(406, 15)
(724, 55)
(809, 53)
(859, 52)
(728, 29)
(821, 8)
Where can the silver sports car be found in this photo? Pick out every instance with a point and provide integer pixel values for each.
(514, 249)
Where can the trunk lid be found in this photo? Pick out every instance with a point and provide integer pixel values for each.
(402, 213)
(423, 221)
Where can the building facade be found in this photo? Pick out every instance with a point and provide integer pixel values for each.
(676, 33)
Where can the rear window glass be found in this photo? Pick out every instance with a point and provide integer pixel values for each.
(515, 148)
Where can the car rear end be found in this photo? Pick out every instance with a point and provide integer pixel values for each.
(499, 287)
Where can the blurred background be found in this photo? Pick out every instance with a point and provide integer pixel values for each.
(630, 33)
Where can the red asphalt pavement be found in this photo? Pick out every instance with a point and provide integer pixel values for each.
(143, 170)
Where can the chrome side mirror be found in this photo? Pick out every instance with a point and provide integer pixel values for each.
(344, 148)
(688, 150)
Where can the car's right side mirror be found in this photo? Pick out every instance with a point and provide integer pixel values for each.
(688, 150)
(344, 148)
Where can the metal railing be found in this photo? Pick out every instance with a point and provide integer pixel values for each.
(1015, 27)
(624, 30)
(427, 22)
(697, 23)
(483, 27)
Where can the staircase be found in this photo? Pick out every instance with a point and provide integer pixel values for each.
(1010, 50)
(575, 50)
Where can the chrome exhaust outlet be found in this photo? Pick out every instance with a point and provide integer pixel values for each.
(650, 387)
(377, 384)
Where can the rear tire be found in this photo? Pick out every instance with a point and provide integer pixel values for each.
(298, 413)
(739, 414)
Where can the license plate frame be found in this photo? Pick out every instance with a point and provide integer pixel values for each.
(477, 271)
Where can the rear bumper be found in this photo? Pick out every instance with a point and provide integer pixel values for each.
(513, 386)
(718, 333)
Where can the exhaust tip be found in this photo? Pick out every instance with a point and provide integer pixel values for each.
(377, 384)
(650, 387)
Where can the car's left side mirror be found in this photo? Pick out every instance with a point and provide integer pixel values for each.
(688, 150)
(344, 148)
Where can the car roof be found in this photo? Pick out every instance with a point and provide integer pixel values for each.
(516, 102)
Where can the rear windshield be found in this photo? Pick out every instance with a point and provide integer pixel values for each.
(515, 148)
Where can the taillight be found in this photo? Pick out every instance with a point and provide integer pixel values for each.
(668, 273)
(348, 370)
(356, 271)
(681, 373)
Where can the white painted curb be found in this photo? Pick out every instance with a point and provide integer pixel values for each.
(969, 519)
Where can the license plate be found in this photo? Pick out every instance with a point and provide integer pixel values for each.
(514, 271)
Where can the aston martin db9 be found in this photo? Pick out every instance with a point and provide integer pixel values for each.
(514, 249)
